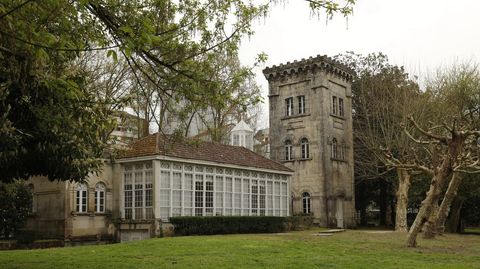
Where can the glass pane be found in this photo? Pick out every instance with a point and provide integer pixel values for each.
(165, 180)
(177, 180)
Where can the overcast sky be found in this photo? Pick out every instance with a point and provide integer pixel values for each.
(421, 35)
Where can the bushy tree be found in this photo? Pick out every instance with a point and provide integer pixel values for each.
(15, 207)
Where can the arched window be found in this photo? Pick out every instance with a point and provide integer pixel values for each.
(334, 148)
(81, 198)
(306, 203)
(100, 197)
(288, 150)
(343, 151)
(305, 148)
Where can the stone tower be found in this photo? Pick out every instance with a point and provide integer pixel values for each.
(311, 133)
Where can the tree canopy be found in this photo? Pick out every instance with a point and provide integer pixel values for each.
(51, 123)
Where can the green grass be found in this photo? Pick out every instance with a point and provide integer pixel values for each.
(472, 230)
(351, 249)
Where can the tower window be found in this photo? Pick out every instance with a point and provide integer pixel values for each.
(343, 151)
(334, 105)
(301, 104)
(305, 148)
(340, 107)
(306, 203)
(289, 106)
(288, 150)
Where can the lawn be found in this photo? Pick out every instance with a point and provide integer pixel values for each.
(350, 249)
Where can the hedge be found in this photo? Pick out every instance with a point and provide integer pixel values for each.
(228, 225)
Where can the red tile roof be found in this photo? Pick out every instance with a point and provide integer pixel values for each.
(200, 150)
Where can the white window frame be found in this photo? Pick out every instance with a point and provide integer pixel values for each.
(301, 105)
(306, 203)
(100, 197)
(146, 211)
(305, 146)
(81, 198)
(341, 111)
(334, 105)
(289, 106)
(288, 150)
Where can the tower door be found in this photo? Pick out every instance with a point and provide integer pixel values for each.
(339, 212)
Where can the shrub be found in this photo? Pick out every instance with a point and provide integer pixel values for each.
(228, 225)
(16, 200)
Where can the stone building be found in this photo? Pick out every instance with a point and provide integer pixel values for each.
(155, 179)
(71, 211)
(311, 133)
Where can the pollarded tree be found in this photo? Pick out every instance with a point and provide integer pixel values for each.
(459, 89)
(453, 132)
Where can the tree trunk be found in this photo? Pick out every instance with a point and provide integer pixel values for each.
(402, 200)
(453, 221)
(430, 225)
(436, 185)
(450, 195)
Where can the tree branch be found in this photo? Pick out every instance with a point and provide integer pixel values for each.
(439, 138)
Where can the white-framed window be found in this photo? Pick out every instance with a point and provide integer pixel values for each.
(334, 149)
(81, 198)
(306, 204)
(288, 150)
(254, 197)
(301, 104)
(138, 191)
(199, 195)
(198, 190)
(249, 141)
(334, 105)
(236, 140)
(100, 197)
(262, 197)
(289, 106)
(341, 112)
(305, 148)
(209, 195)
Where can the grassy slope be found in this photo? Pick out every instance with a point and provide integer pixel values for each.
(351, 249)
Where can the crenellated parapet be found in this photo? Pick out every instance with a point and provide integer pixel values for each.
(311, 64)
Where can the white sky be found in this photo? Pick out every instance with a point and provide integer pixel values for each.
(421, 35)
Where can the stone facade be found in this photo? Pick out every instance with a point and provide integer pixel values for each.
(54, 212)
(311, 133)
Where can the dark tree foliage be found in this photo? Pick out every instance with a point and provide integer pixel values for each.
(15, 207)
